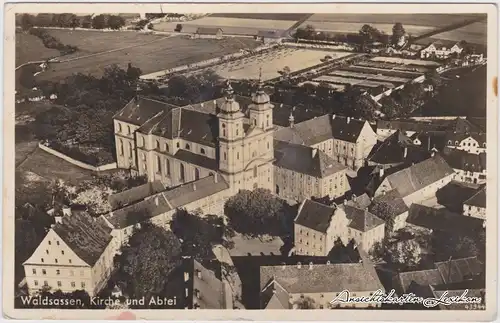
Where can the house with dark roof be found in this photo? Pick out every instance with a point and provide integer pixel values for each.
(433, 219)
(270, 36)
(347, 140)
(441, 49)
(419, 181)
(469, 167)
(360, 202)
(135, 194)
(317, 227)
(409, 127)
(302, 172)
(396, 150)
(288, 286)
(208, 32)
(77, 253)
(476, 205)
(391, 208)
(471, 142)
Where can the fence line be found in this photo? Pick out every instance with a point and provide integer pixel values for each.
(77, 162)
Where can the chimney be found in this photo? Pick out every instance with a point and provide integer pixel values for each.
(198, 273)
(433, 153)
(215, 177)
(314, 152)
(291, 120)
(405, 152)
(186, 276)
(66, 211)
(215, 102)
(58, 219)
(333, 117)
(157, 201)
(345, 201)
(348, 120)
(311, 265)
(201, 104)
(299, 265)
(328, 262)
(354, 197)
(194, 187)
(197, 293)
(381, 172)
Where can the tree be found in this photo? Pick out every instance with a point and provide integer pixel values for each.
(99, 22)
(397, 32)
(116, 22)
(406, 254)
(255, 212)
(27, 21)
(145, 264)
(386, 211)
(133, 73)
(433, 78)
(198, 234)
(305, 303)
(449, 244)
(178, 28)
(87, 22)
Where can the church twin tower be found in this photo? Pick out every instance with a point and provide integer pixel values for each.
(246, 152)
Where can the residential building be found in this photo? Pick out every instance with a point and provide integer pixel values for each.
(420, 181)
(287, 286)
(302, 172)
(472, 142)
(208, 32)
(177, 145)
(270, 36)
(468, 167)
(360, 202)
(409, 127)
(347, 140)
(76, 254)
(317, 227)
(476, 205)
(390, 207)
(440, 50)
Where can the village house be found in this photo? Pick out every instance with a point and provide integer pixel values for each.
(469, 167)
(208, 32)
(390, 207)
(348, 141)
(302, 172)
(76, 254)
(386, 128)
(419, 181)
(287, 286)
(440, 50)
(317, 227)
(177, 145)
(476, 205)
(270, 36)
(428, 219)
(474, 143)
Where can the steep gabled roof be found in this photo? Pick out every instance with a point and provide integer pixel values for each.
(418, 176)
(393, 205)
(315, 215)
(478, 199)
(361, 220)
(393, 149)
(139, 110)
(274, 297)
(135, 194)
(461, 159)
(88, 237)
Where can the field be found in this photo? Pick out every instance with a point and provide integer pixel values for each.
(30, 48)
(272, 62)
(402, 61)
(414, 24)
(230, 26)
(475, 33)
(263, 16)
(154, 55)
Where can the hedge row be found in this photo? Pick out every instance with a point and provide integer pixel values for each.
(50, 41)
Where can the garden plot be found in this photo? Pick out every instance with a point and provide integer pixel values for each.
(272, 62)
(373, 70)
(404, 61)
(395, 67)
(370, 76)
(352, 81)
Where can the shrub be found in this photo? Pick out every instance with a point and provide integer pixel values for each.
(178, 28)
(51, 42)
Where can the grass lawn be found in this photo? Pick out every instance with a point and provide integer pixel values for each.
(464, 96)
(30, 48)
(152, 57)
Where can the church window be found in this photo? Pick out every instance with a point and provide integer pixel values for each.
(202, 151)
(167, 165)
(158, 164)
(118, 127)
(120, 147)
(188, 147)
(237, 155)
(196, 174)
(225, 156)
(484, 145)
(254, 122)
(130, 148)
(182, 172)
(268, 145)
(157, 144)
(237, 131)
(128, 130)
(167, 148)
(255, 171)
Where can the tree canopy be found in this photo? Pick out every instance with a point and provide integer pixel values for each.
(255, 213)
(406, 253)
(398, 31)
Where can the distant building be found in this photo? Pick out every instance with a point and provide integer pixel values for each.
(440, 50)
(76, 254)
(432, 219)
(420, 181)
(206, 32)
(408, 127)
(348, 141)
(302, 172)
(476, 205)
(474, 143)
(469, 167)
(318, 226)
(270, 36)
(289, 286)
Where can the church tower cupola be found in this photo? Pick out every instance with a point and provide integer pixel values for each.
(261, 109)
(230, 105)
(260, 96)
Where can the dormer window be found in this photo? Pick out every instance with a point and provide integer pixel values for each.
(188, 147)
(202, 151)
(118, 127)
(167, 148)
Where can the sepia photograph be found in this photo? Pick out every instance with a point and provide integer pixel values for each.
(240, 160)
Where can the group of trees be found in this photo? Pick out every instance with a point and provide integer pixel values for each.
(50, 41)
(402, 254)
(256, 213)
(69, 20)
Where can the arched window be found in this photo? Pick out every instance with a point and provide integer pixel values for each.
(158, 164)
(178, 145)
(223, 129)
(118, 127)
(202, 151)
(268, 145)
(196, 174)
(167, 166)
(120, 147)
(182, 172)
(237, 155)
(254, 122)
(255, 171)
(237, 132)
(128, 130)
(157, 144)
(449, 142)
(456, 143)
(167, 148)
(484, 145)
(225, 156)
(188, 147)
(143, 156)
